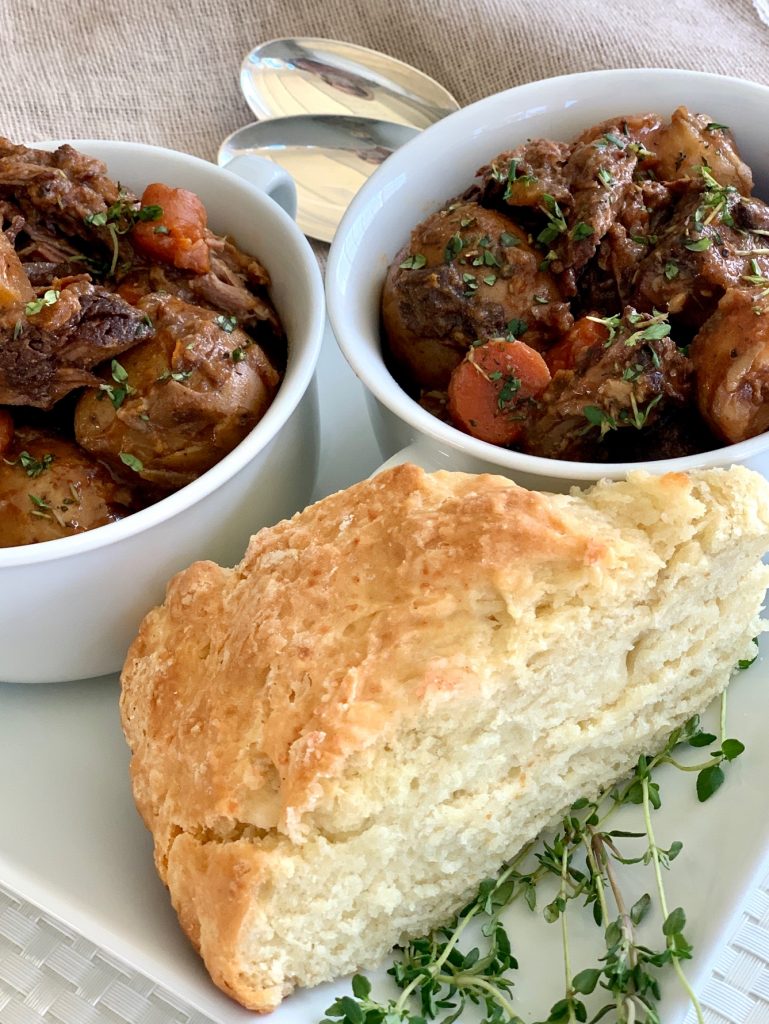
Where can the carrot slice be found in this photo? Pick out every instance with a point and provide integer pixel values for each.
(177, 235)
(584, 334)
(489, 390)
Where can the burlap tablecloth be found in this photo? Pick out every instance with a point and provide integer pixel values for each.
(167, 73)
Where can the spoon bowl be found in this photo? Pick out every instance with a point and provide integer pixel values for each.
(287, 77)
(329, 157)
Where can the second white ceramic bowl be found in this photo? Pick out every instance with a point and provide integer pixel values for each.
(70, 607)
(441, 163)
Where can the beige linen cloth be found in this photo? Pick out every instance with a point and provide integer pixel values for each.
(167, 72)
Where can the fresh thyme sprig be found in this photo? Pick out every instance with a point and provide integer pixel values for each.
(438, 981)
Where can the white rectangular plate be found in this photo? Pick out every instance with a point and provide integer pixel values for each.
(72, 842)
(78, 849)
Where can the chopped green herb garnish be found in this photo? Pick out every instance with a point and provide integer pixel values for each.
(415, 262)
(227, 323)
(598, 418)
(605, 176)
(118, 395)
(556, 221)
(714, 126)
(581, 231)
(671, 270)
(551, 257)
(516, 328)
(119, 218)
(700, 245)
(132, 462)
(611, 323)
(508, 391)
(513, 178)
(32, 467)
(152, 212)
(454, 248)
(508, 241)
(49, 298)
(179, 376)
(640, 416)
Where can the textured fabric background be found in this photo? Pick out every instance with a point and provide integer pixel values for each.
(166, 72)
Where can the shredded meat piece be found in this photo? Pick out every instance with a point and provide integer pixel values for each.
(637, 128)
(701, 251)
(524, 175)
(229, 286)
(225, 289)
(624, 385)
(600, 174)
(46, 355)
(59, 189)
(625, 244)
(38, 244)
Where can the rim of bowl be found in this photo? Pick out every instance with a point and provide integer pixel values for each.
(291, 390)
(369, 365)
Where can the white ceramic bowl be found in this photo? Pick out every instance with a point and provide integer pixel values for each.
(70, 607)
(441, 163)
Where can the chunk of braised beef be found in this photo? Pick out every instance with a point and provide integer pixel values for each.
(626, 243)
(599, 175)
(623, 386)
(60, 189)
(701, 251)
(523, 176)
(674, 433)
(630, 128)
(47, 353)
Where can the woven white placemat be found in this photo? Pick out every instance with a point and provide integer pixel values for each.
(738, 989)
(50, 974)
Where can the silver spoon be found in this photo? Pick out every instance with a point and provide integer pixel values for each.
(285, 77)
(329, 157)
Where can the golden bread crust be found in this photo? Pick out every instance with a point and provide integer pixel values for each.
(264, 704)
(264, 678)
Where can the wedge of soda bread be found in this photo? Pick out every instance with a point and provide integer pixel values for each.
(336, 740)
